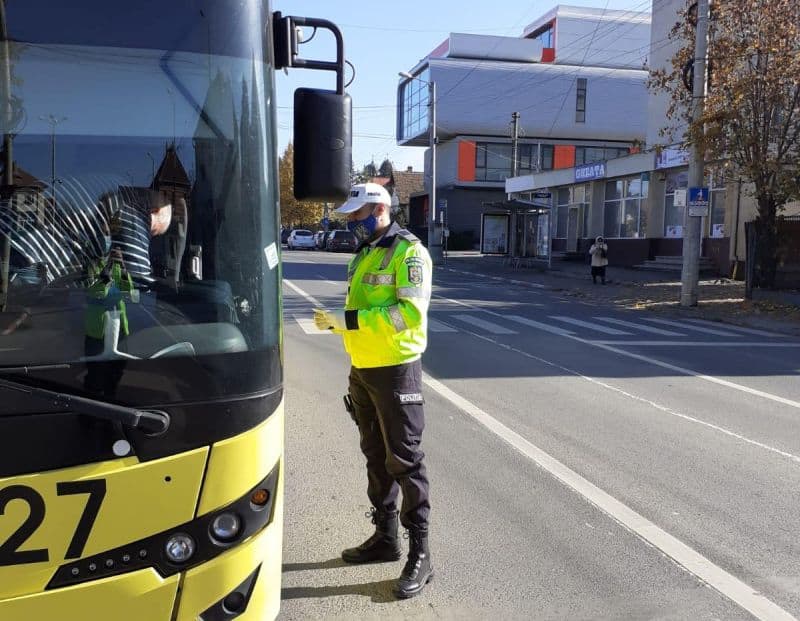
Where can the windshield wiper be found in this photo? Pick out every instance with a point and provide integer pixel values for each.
(151, 422)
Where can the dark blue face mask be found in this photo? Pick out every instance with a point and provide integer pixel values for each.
(363, 229)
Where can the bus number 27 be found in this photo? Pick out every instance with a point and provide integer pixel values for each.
(10, 553)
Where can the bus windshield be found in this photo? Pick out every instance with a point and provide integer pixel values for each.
(138, 216)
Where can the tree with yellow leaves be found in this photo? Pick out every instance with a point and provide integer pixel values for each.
(295, 213)
(751, 121)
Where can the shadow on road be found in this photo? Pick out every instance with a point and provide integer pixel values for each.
(379, 592)
(329, 564)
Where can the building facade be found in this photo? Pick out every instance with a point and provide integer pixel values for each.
(575, 79)
(637, 202)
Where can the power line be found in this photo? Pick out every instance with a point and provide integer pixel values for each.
(585, 54)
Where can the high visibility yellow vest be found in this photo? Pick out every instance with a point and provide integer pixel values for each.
(386, 310)
(107, 296)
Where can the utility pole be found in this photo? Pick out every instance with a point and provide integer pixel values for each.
(514, 143)
(53, 121)
(692, 238)
(8, 163)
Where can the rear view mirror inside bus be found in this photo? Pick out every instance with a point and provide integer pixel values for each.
(323, 126)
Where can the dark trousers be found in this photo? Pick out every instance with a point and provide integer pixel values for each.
(389, 412)
(599, 270)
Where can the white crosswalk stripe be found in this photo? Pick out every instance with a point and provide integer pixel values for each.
(694, 328)
(307, 325)
(540, 326)
(638, 327)
(438, 326)
(493, 328)
(741, 329)
(591, 326)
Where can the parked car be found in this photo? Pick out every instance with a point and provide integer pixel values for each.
(285, 235)
(325, 237)
(301, 238)
(318, 237)
(342, 240)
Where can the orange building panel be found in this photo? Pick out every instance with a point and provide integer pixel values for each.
(466, 161)
(563, 156)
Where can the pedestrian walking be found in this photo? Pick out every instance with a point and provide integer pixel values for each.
(384, 328)
(599, 254)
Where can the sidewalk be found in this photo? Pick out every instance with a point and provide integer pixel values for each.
(643, 290)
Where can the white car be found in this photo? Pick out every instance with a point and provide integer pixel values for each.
(301, 238)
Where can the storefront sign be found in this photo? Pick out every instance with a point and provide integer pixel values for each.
(494, 233)
(672, 158)
(588, 172)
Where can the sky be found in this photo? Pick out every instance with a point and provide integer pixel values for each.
(384, 38)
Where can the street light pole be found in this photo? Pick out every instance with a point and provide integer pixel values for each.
(432, 245)
(53, 121)
(434, 248)
(693, 237)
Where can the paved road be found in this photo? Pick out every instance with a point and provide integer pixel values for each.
(585, 462)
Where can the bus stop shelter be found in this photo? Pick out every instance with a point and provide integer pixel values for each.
(518, 230)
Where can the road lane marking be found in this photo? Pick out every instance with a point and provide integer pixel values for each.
(638, 326)
(437, 326)
(526, 283)
(308, 326)
(725, 583)
(299, 291)
(653, 361)
(683, 326)
(694, 344)
(590, 325)
(540, 326)
(328, 282)
(485, 325)
(741, 329)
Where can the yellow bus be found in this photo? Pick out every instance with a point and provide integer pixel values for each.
(141, 385)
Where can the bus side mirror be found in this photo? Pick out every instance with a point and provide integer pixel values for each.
(323, 128)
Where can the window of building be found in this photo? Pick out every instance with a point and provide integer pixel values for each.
(573, 197)
(580, 101)
(716, 224)
(673, 216)
(547, 156)
(493, 160)
(623, 213)
(586, 155)
(415, 106)
(545, 34)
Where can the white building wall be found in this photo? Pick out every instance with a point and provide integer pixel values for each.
(478, 98)
(665, 14)
(603, 41)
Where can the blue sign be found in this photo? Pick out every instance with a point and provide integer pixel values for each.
(325, 221)
(588, 172)
(698, 201)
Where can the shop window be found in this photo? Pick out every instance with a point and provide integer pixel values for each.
(673, 216)
(623, 215)
(576, 196)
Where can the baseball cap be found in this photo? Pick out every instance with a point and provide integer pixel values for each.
(364, 193)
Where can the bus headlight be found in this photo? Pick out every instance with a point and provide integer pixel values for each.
(180, 548)
(226, 527)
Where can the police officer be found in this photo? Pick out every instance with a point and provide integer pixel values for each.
(384, 327)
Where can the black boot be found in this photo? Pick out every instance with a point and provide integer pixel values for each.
(418, 570)
(382, 546)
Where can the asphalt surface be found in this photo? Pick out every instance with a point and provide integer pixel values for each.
(585, 463)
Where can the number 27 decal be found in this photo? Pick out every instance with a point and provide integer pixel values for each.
(10, 553)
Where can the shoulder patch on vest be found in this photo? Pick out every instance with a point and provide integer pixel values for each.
(408, 236)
